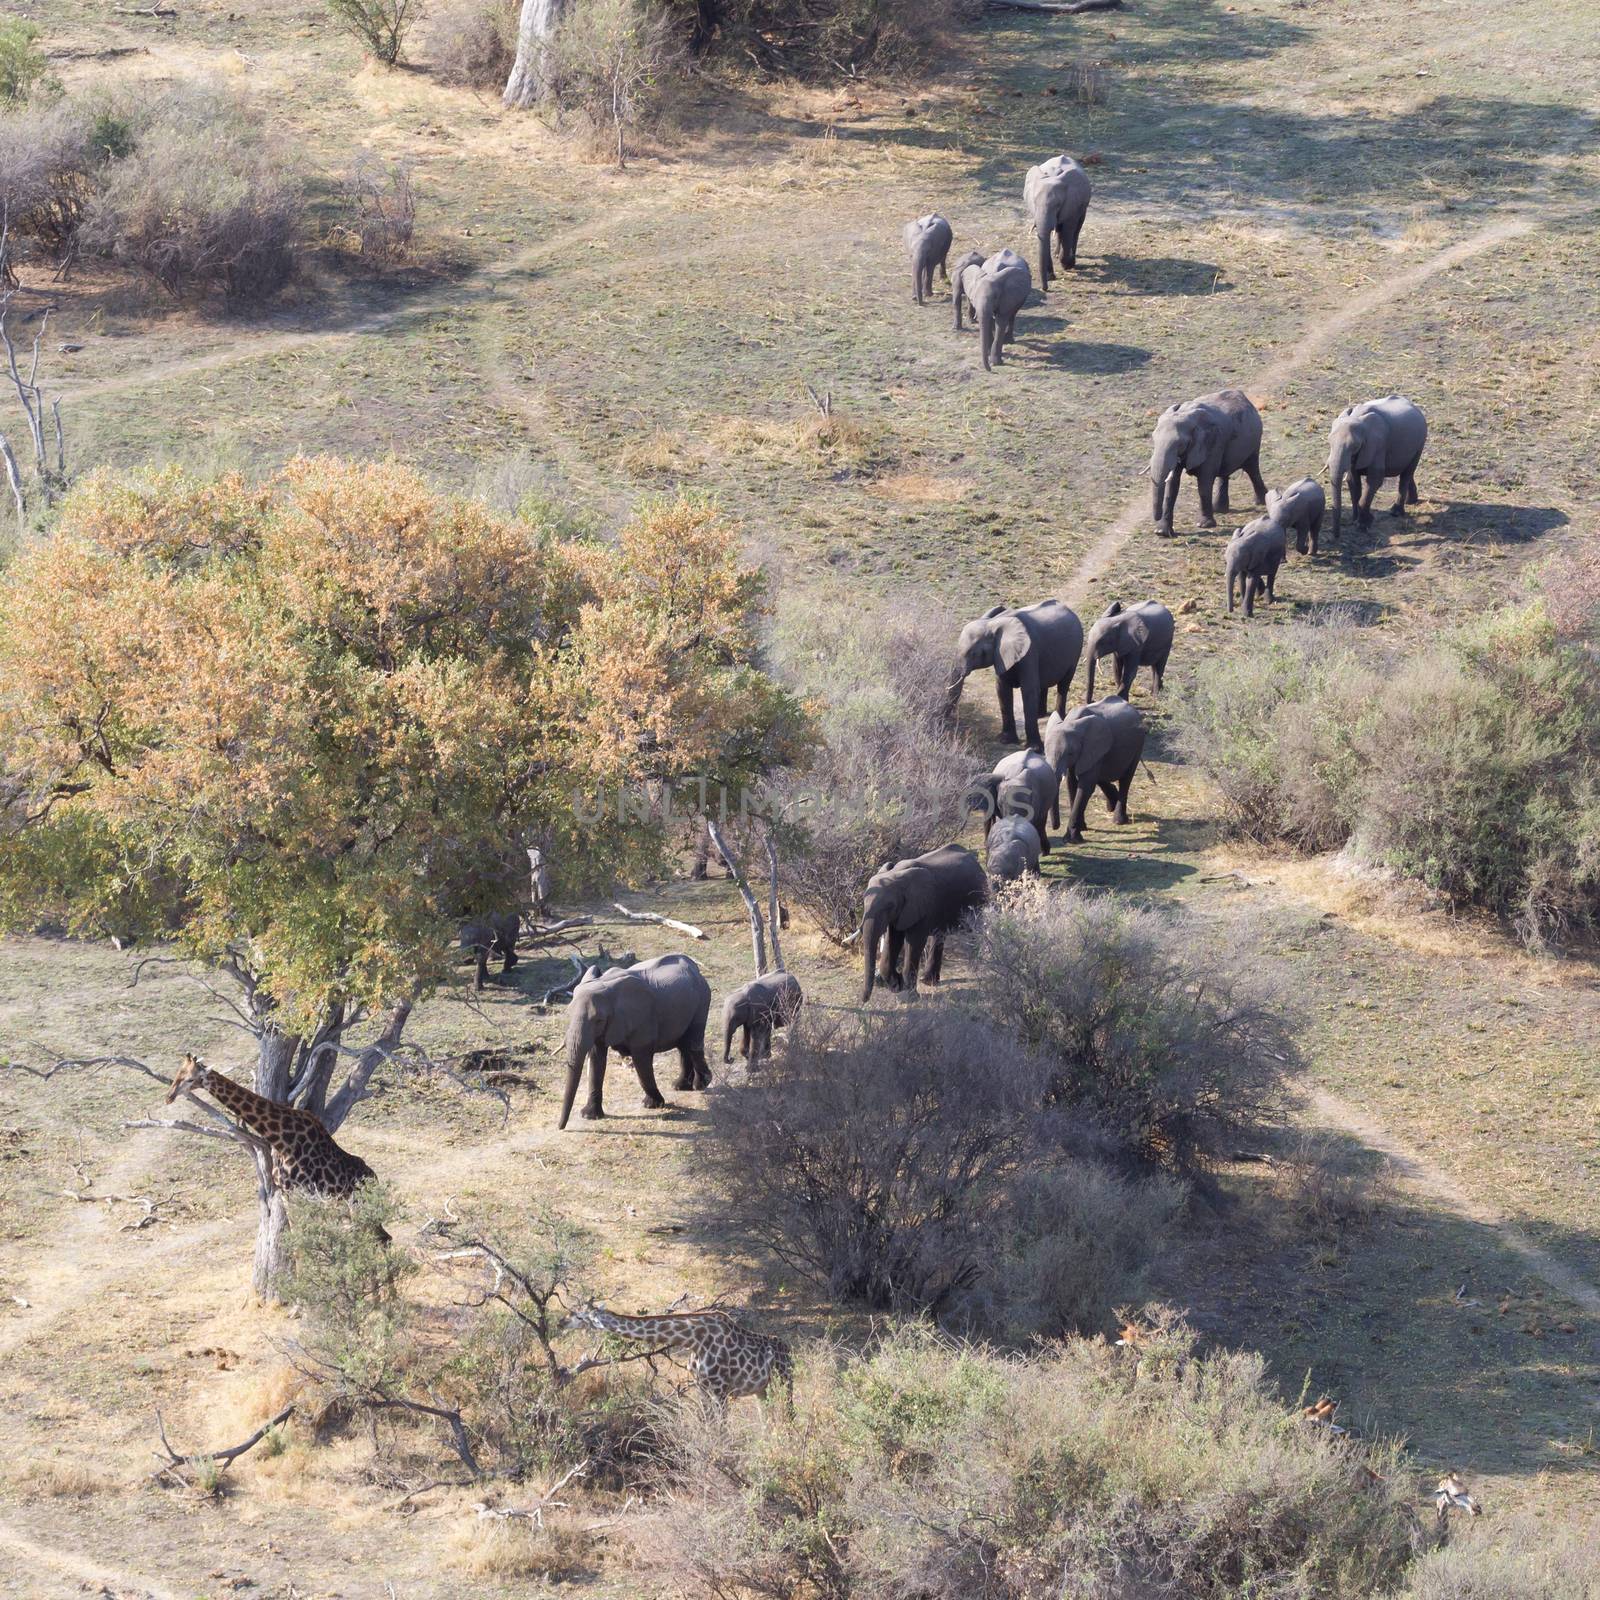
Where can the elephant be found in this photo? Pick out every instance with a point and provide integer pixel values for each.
(1055, 195)
(1253, 557)
(907, 904)
(1031, 648)
(757, 1008)
(637, 1011)
(1021, 785)
(1098, 745)
(1375, 440)
(1012, 849)
(1140, 636)
(495, 931)
(928, 242)
(1210, 438)
(973, 258)
(998, 290)
(1299, 508)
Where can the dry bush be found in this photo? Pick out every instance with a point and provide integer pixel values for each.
(888, 778)
(202, 204)
(49, 169)
(1156, 1027)
(473, 43)
(505, 1548)
(831, 443)
(1571, 587)
(908, 1161)
(1528, 1562)
(945, 1472)
(1086, 82)
(1326, 1184)
(380, 209)
(379, 26)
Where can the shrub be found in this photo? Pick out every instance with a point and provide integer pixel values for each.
(1328, 1183)
(201, 204)
(908, 1161)
(605, 62)
(888, 777)
(1571, 586)
(380, 208)
(1527, 1563)
(50, 161)
(943, 1472)
(23, 67)
(380, 26)
(1155, 1027)
(473, 43)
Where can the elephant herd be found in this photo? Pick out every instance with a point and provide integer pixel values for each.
(1210, 437)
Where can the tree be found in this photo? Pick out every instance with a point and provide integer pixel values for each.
(303, 727)
(535, 25)
(381, 25)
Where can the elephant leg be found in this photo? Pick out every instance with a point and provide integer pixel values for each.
(1272, 586)
(935, 966)
(1170, 503)
(1222, 492)
(1080, 804)
(1127, 671)
(914, 947)
(1411, 479)
(1070, 249)
(1158, 673)
(644, 1064)
(1055, 811)
(1120, 814)
(594, 1106)
(699, 1067)
(482, 975)
(1257, 482)
(1364, 508)
(1252, 588)
(889, 961)
(509, 951)
(1008, 714)
(1061, 697)
(1208, 517)
(744, 1043)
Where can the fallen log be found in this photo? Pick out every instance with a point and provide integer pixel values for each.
(655, 916)
(1064, 10)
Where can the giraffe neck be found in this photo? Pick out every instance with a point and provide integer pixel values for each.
(261, 1116)
(657, 1330)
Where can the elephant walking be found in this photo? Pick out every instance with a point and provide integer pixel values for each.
(1056, 195)
(497, 932)
(1012, 848)
(1021, 785)
(1097, 746)
(1299, 508)
(638, 1011)
(1031, 648)
(1375, 440)
(928, 241)
(998, 290)
(1253, 557)
(1140, 636)
(973, 258)
(912, 904)
(1210, 438)
(756, 1009)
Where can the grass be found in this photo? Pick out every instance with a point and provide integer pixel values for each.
(1262, 165)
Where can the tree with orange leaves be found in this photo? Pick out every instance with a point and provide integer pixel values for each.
(302, 727)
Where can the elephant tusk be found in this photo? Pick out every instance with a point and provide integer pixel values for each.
(851, 938)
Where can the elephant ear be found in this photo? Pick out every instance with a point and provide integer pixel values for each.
(1096, 733)
(992, 612)
(1014, 642)
(1113, 610)
(1203, 439)
(1137, 631)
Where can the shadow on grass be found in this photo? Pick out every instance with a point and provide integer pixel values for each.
(1156, 276)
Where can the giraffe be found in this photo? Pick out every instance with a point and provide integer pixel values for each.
(304, 1155)
(726, 1359)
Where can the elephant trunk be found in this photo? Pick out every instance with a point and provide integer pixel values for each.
(1042, 230)
(730, 1027)
(1338, 470)
(952, 692)
(872, 926)
(1094, 659)
(580, 1041)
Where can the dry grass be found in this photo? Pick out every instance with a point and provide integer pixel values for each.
(63, 1480)
(661, 453)
(833, 443)
(919, 488)
(514, 1547)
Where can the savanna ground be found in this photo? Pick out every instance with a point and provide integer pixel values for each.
(1317, 202)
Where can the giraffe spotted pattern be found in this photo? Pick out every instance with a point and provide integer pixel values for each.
(726, 1359)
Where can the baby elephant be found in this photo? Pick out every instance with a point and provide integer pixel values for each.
(760, 1006)
(928, 244)
(973, 258)
(997, 291)
(1012, 849)
(496, 931)
(1299, 508)
(1253, 557)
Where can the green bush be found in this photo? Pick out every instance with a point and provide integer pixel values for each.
(380, 26)
(947, 1473)
(1155, 1028)
(1471, 765)
(23, 68)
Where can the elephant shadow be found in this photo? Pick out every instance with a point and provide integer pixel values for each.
(1147, 276)
(1478, 522)
(1075, 355)
(1358, 613)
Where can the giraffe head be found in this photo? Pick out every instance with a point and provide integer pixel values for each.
(193, 1071)
(585, 1316)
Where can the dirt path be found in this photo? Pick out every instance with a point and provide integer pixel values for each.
(84, 1574)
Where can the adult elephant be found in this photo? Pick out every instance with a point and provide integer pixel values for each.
(1140, 636)
(928, 241)
(638, 1011)
(1031, 648)
(1011, 849)
(1022, 785)
(1097, 746)
(494, 932)
(1210, 438)
(755, 1009)
(1055, 195)
(910, 903)
(998, 290)
(1372, 441)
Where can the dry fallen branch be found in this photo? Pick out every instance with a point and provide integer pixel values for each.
(134, 1226)
(223, 1458)
(547, 1501)
(1064, 10)
(655, 916)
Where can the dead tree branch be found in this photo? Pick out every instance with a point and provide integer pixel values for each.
(774, 910)
(223, 1458)
(735, 871)
(1060, 9)
(655, 916)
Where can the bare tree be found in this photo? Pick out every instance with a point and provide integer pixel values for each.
(51, 476)
(538, 22)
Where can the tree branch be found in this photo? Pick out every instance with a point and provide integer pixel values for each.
(653, 916)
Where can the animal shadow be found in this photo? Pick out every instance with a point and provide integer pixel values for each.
(1158, 275)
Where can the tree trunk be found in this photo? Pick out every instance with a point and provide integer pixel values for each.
(774, 910)
(758, 943)
(272, 1222)
(276, 1053)
(526, 85)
